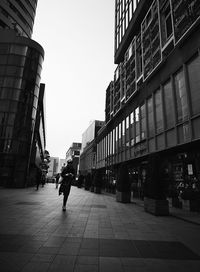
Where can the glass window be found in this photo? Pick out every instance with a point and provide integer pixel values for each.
(127, 122)
(137, 125)
(181, 98)
(143, 121)
(113, 141)
(16, 60)
(120, 131)
(3, 117)
(158, 111)
(132, 132)
(150, 117)
(132, 118)
(2, 71)
(194, 82)
(14, 71)
(18, 49)
(139, 56)
(3, 59)
(166, 22)
(4, 49)
(123, 132)
(11, 119)
(4, 105)
(116, 139)
(169, 105)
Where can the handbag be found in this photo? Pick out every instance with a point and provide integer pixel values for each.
(60, 179)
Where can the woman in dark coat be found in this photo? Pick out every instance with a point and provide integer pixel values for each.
(67, 174)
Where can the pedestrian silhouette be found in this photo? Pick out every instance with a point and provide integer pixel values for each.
(67, 175)
(38, 177)
(57, 179)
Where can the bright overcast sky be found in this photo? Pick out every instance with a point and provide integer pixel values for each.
(78, 39)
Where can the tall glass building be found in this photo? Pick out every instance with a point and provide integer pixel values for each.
(18, 15)
(20, 69)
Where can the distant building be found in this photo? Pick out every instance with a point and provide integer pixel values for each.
(53, 167)
(73, 153)
(88, 151)
(62, 163)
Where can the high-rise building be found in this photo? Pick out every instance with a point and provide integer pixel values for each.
(18, 15)
(153, 124)
(20, 69)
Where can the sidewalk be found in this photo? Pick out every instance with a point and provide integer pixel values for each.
(95, 234)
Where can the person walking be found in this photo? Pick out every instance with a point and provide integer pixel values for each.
(57, 179)
(38, 177)
(67, 174)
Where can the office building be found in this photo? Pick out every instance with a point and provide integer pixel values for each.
(20, 93)
(18, 15)
(153, 101)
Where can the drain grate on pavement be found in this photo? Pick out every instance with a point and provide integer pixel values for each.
(28, 203)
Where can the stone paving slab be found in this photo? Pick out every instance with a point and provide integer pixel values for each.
(96, 233)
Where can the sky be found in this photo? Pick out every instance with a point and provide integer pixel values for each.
(78, 40)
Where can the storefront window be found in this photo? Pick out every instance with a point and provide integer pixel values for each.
(158, 111)
(181, 99)
(194, 81)
(169, 106)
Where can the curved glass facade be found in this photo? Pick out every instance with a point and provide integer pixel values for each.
(20, 68)
(18, 15)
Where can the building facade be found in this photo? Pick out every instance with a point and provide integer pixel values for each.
(155, 116)
(89, 147)
(20, 93)
(73, 153)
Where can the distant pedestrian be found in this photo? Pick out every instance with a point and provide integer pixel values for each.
(57, 179)
(67, 174)
(43, 179)
(38, 177)
(80, 180)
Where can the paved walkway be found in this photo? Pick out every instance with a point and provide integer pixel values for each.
(95, 234)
